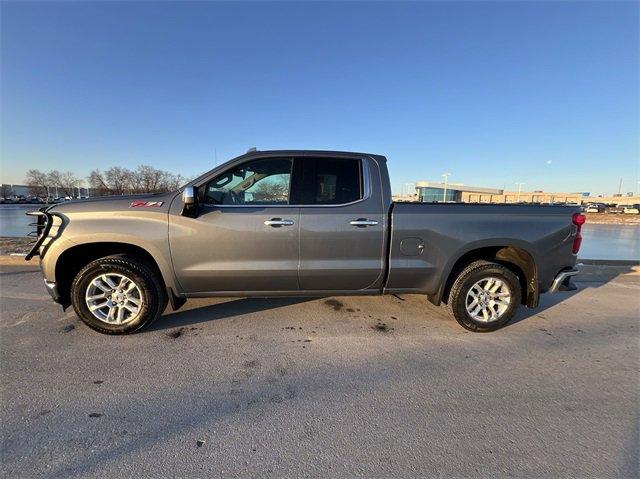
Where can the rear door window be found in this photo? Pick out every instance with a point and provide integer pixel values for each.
(327, 181)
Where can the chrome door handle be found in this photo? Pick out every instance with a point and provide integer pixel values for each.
(363, 222)
(277, 222)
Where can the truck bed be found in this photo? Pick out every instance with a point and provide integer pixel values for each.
(435, 236)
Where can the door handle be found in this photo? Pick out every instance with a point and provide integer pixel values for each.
(362, 222)
(278, 222)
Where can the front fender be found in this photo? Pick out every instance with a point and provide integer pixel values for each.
(148, 232)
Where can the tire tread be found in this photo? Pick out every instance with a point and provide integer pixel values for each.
(139, 266)
(459, 284)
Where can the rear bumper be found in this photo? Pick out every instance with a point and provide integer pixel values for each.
(562, 281)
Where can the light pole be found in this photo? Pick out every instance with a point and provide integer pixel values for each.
(444, 194)
(408, 187)
(519, 191)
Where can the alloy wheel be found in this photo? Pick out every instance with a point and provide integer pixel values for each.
(114, 298)
(488, 299)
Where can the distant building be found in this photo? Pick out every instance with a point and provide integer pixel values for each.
(430, 192)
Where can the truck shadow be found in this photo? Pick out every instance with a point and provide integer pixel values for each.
(547, 301)
(228, 309)
(594, 274)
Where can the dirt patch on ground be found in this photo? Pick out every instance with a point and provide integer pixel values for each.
(381, 327)
(176, 333)
(335, 304)
(10, 245)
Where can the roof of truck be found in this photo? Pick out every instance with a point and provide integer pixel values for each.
(255, 152)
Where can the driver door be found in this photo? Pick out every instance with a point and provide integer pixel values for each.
(245, 236)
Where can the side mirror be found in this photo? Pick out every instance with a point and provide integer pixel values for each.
(190, 201)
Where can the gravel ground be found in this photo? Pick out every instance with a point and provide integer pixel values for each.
(10, 245)
(339, 387)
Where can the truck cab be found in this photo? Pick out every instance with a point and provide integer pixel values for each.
(284, 223)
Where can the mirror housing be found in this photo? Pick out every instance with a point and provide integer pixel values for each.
(190, 201)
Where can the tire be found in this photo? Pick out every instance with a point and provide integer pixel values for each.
(140, 304)
(478, 276)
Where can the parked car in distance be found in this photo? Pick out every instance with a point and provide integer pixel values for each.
(300, 223)
(615, 210)
(595, 208)
(632, 209)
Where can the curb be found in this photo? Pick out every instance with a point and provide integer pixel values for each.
(14, 260)
(609, 262)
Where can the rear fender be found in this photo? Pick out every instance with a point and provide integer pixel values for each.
(502, 250)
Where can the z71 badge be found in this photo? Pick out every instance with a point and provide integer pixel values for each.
(146, 204)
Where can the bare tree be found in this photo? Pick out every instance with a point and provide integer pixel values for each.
(37, 181)
(118, 180)
(114, 181)
(144, 179)
(70, 183)
(150, 178)
(6, 191)
(98, 182)
(172, 182)
(273, 189)
(65, 182)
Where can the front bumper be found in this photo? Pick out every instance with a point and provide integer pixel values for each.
(52, 289)
(562, 281)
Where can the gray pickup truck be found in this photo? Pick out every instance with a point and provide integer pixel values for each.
(299, 223)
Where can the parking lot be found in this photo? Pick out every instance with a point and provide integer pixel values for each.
(340, 387)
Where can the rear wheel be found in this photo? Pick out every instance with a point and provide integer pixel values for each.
(118, 294)
(485, 296)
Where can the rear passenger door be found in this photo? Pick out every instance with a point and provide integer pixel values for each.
(341, 224)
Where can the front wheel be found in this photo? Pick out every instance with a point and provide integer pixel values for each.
(118, 294)
(485, 296)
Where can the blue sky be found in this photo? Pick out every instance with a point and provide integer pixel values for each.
(494, 93)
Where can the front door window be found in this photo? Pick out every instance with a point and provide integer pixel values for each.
(264, 182)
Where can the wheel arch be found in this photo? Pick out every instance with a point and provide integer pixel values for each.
(73, 259)
(515, 256)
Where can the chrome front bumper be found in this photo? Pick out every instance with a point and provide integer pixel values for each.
(562, 282)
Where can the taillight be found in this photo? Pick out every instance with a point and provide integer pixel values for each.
(578, 220)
